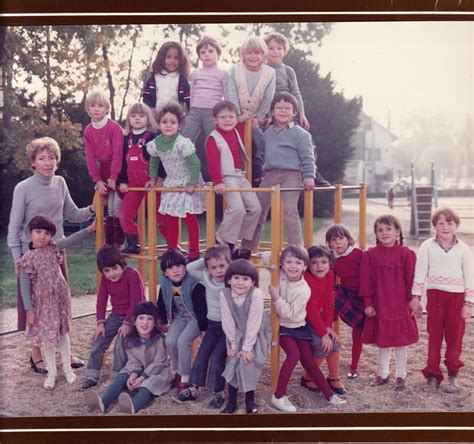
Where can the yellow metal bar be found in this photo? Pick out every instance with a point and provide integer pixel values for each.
(142, 231)
(99, 232)
(210, 217)
(248, 148)
(152, 282)
(308, 219)
(338, 204)
(275, 281)
(337, 219)
(363, 216)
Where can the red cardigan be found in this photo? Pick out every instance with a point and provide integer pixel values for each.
(320, 307)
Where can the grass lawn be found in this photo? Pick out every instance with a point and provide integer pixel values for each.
(81, 267)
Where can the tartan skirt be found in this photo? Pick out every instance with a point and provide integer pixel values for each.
(349, 306)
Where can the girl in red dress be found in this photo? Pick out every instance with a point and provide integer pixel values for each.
(386, 278)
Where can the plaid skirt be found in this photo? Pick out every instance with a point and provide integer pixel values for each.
(349, 306)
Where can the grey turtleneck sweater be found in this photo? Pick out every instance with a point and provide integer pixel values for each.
(40, 195)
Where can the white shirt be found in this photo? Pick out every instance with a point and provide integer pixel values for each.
(166, 87)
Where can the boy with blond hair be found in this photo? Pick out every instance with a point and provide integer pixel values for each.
(445, 268)
(103, 140)
(251, 81)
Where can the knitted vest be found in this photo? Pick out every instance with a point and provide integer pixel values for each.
(227, 161)
(249, 102)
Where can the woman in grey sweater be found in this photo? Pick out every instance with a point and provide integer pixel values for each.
(45, 194)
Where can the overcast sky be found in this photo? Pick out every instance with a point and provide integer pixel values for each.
(410, 67)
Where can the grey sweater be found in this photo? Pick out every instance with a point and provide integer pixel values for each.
(286, 81)
(289, 149)
(40, 195)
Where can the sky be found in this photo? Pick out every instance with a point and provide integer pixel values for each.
(423, 68)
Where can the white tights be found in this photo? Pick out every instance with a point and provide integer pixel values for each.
(64, 350)
(400, 361)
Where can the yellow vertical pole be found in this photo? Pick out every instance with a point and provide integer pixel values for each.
(248, 148)
(276, 242)
(151, 200)
(337, 219)
(142, 231)
(363, 216)
(308, 219)
(338, 204)
(99, 232)
(210, 216)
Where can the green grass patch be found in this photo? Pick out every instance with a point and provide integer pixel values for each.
(82, 266)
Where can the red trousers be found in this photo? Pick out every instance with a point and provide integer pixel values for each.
(444, 320)
(172, 231)
(129, 209)
(299, 350)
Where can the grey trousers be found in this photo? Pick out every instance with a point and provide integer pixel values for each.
(179, 343)
(242, 213)
(100, 345)
(196, 120)
(289, 199)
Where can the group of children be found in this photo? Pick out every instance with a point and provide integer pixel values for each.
(157, 146)
(376, 292)
(217, 298)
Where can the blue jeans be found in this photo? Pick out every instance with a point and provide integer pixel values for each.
(213, 348)
(120, 382)
(100, 345)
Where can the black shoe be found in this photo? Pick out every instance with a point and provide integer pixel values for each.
(77, 362)
(338, 390)
(241, 253)
(132, 244)
(251, 408)
(86, 384)
(35, 368)
(185, 395)
(216, 401)
(304, 383)
(230, 408)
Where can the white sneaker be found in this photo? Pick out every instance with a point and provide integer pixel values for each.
(335, 400)
(283, 404)
(94, 401)
(70, 376)
(126, 403)
(50, 382)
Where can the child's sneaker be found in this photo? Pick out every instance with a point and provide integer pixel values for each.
(87, 383)
(400, 384)
(352, 373)
(216, 401)
(126, 403)
(283, 404)
(70, 377)
(188, 394)
(94, 401)
(431, 385)
(335, 400)
(451, 387)
(182, 386)
(50, 382)
(378, 380)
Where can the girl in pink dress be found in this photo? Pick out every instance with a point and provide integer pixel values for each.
(49, 322)
(386, 278)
